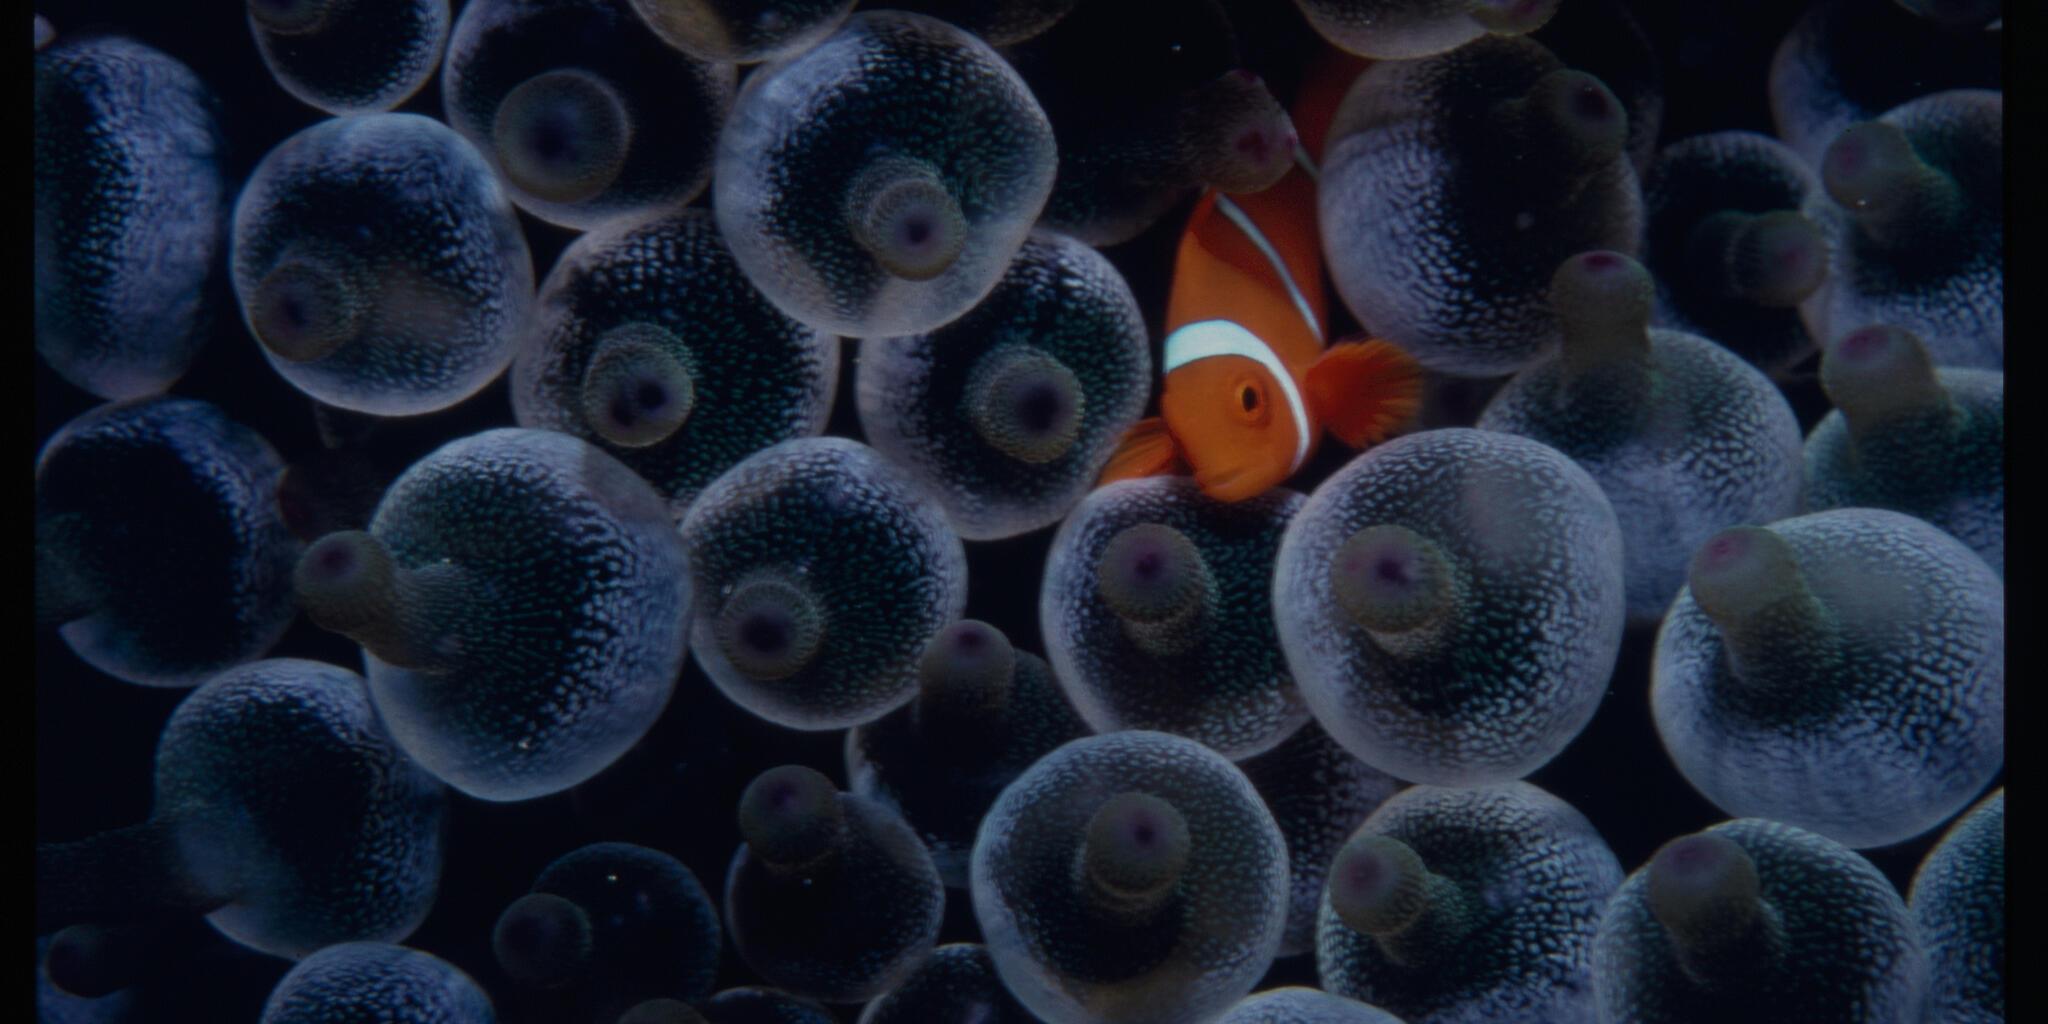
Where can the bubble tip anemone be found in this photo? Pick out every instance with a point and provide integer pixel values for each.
(1603, 301)
(292, 17)
(1238, 137)
(964, 675)
(1573, 115)
(1774, 259)
(770, 627)
(791, 816)
(1876, 372)
(638, 389)
(348, 583)
(1134, 852)
(1390, 579)
(1378, 885)
(1025, 403)
(1741, 571)
(542, 940)
(306, 307)
(1513, 17)
(901, 211)
(562, 136)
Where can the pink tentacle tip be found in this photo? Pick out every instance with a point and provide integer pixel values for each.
(1601, 262)
(1864, 343)
(1724, 551)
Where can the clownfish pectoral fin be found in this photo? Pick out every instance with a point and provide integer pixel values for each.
(1364, 391)
(1147, 449)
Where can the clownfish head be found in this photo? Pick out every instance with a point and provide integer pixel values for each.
(1235, 411)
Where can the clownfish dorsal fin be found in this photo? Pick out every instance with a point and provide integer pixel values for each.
(1234, 213)
(1147, 449)
(1364, 391)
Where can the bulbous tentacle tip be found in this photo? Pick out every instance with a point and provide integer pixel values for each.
(1585, 119)
(900, 210)
(562, 136)
(45, 32)
(1876, 372)
(308, 306)
(543, 941)
(1958, 15)
(1136, 846)
(1390, 579)
(1239, 138)
(1773, 259)
(1703, 888)
(662, 1011)
(770, 627)
(1151, 573)
(1378, 885)
(638, 389)
(1741, 571)
(349, 583)
(292, 17)
(1872, 168)
(1603, 301)
(965, 671)
(1025, 403)
(790, 816)
(1513, 17)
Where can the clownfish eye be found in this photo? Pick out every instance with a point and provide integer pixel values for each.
(1250, 393)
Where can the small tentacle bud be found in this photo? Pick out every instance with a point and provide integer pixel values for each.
(1512, 17)
(964, 680)
(1024, 403)
(901, 212)
(1704, 890)
(1132, 857)
(1603, 301)
(638, 388)
(791, 818)
(563, 135)
(1899, 201)
(293, 17)
(307, 306)
(1777, 633)
(1881, 375)
(1380, 887)
(1236, 136)
(543, 941)
(1155, 579)
(1773, 259)
(1392, 580)
(770, 627)
(1568, 122)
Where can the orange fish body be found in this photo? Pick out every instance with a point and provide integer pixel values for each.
(1249, 385)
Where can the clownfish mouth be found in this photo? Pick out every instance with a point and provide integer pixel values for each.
(1236, 482)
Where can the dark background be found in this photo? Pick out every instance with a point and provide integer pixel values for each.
(676, 790)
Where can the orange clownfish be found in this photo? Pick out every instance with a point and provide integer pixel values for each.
(1248, 386)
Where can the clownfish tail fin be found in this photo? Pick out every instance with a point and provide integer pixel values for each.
(1364, 391)
(1147, 449)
